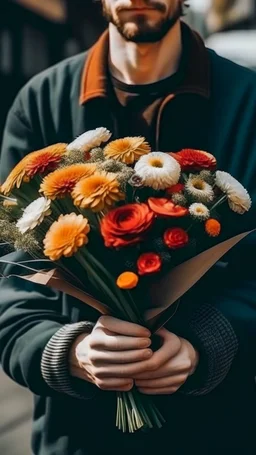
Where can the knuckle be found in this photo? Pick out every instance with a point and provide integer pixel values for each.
(94, 372)
(186, 364)
(115, 343)
(176, 346)
(174, 341)
(121, 372)
(153, 365)
(92, 356)
(93, 342)
(103, 321)
(99, 373)
(96, 362)
(97, 339)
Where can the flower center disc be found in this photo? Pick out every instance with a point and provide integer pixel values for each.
(156, 162)
(198, 185)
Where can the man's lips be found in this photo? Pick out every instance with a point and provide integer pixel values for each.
(138, 9)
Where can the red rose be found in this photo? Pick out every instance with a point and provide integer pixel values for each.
(126, 225)
(190, 159)
(175, 238)
(149, 263)
(165, 207)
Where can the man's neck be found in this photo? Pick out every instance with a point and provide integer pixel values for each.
(135, 63)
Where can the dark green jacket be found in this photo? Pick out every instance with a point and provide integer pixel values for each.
(214, 411)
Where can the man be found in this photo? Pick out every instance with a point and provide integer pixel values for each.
(149, 75)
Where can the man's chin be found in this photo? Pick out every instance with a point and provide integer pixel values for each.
(146, 35)
(144, 38)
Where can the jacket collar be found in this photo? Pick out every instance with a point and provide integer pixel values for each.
(94, 83)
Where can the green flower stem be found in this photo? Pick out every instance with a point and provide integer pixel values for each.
(161, 418)
(136, 410)
(118, 412)
(128, 415)
(219, 202)
(144, 417)
(117, 295)
(155, 417)
(66, 205)
(96, 279)
(124, 412)
(184, 176)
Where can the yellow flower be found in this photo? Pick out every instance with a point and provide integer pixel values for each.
(98, 192)
(65, 236)
(61, 182)
(10, 203)
(127, 150)
(34, 163)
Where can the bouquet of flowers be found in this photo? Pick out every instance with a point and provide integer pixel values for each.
(110, 219)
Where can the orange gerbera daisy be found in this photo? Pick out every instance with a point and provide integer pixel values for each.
(34, 163)
(127, 150)
(61, 182)
(98, 192)
(65, 236)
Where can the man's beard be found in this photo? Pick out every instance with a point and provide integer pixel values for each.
(144, 32)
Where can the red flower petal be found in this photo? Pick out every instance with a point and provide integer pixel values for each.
(126, 225)
(176, 238)
(178, 188)
(149, 263)
(165, 207)
(190, 159)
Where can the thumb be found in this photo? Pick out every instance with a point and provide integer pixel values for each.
(169, 342)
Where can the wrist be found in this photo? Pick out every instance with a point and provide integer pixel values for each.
(55, 365)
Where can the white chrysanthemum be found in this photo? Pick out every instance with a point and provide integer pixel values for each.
(199, 211)
(89, 140)
(158, 170)
(199, 190)
(238, 197)
(34, 214)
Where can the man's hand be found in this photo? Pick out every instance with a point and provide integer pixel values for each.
(112, 354)
(169, 367)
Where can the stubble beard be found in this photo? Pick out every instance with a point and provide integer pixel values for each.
(143, 32)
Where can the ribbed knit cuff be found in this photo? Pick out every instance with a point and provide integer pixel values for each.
(212, 334)
(54, 363)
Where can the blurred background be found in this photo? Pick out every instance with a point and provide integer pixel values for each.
(35, 34)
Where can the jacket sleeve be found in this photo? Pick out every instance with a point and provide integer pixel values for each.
(219, 319)
(31, 315)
